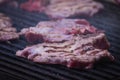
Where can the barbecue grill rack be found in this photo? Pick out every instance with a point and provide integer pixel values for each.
(16, 68)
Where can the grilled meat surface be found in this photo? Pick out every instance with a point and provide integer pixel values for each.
(83, 46)
(57, 31)
(34, 5)
(67, 8)
(7, 32)
(63, 8)
(80, 52)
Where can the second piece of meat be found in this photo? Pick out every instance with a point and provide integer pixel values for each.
(67, 8)
(7, 32)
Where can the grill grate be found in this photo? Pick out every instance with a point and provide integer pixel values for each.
(21, 69)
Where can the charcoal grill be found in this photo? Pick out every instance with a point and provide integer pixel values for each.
(15, 68)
